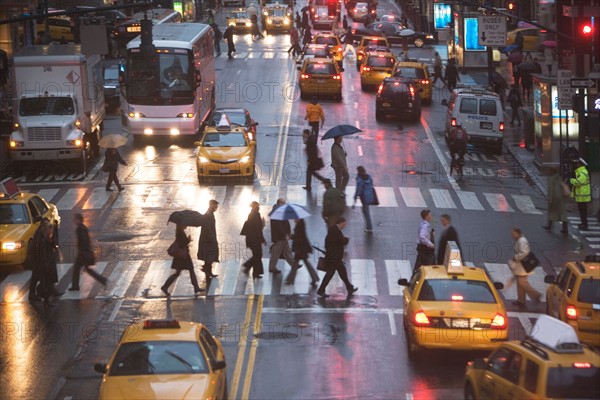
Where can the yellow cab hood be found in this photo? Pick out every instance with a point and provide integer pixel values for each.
(224, 153)
(146, 387)
(13, 232)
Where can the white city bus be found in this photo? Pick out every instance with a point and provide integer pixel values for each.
(171, 92)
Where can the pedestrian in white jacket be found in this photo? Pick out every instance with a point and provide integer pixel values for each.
(520, 275)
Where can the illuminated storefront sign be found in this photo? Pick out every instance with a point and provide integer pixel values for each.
(471, 32)
(442, 15)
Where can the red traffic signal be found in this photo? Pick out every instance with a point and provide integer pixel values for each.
(586, 29)
(511, 6)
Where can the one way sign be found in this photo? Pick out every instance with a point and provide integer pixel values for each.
(491, 30)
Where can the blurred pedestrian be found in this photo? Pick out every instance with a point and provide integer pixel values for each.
(557, 208)
(349, 43)
(112, 159)
(457, 143)
(298, 21)
(314, 160)
(334, 258)
(437, 68)
(345, 23)
(315, 116)
(519, 40)
(520, 275)
(208, 246)
(334, 203)
(549, 58)
(218, 35)
(85, 254)
(449, 234)
(514, 99)
(181, 261)
(537, 67)
(253, 230)
(256, 33)
(228, 36)
(307, 36)
(582, 191)
(305, 25)
(425, 241)
(280, 247)
(526, 85)
(451, 76)
(45, 255)
(295, 42)
(339, 164)
(302, 249)
(365, 191)
(516, 73)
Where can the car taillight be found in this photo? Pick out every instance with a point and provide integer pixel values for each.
(582, 365)
(365, 68)
(353, 31)
(355, 10)
(501, 126)
(380, 89)
(571, 312)
(337, 77)
(457, 297)
(304, 76)
(453, 122)
(421, 319)
(425, 82)
(412, 91)
(499, 322)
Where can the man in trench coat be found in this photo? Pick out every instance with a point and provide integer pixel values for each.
(208, 246)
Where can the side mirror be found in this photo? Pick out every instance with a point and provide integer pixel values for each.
(549, 279)
(403, 282)
(479, 363)
(299, 68)
(254, 123)
(101, 368)
(38, 218)
(445, 103)
(217, 365)
(499, 285)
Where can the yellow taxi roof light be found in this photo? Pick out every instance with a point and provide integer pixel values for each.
(224, 123)
(555, 334)
(161, 324)
(453, 259)
(9, 188)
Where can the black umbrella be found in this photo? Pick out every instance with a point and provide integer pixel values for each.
(186, 218)
(498, 80)
(527, 67)
(305, 9)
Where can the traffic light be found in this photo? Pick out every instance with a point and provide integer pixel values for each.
(586, 29)
(511, 6)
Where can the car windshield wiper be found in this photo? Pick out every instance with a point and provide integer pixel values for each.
(181, 360)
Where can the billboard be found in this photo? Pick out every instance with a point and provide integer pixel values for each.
(442, 15)
(471, 33)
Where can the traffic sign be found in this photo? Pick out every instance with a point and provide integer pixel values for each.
(491, 30)
(582, 83)
(565, 92)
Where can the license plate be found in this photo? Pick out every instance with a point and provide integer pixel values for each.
(386, 104)
(409, 105)
(224, 170)
(320, 80)
(134, 29)
(486, 125)
(460, 323)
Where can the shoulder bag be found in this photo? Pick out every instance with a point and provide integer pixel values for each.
(175, 251)
(375, 198)
(530, 262)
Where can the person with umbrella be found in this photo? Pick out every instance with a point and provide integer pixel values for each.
(112, 159)
(280, 234)
(208, 246)
(301, 248)
(307, 36)
(339, 164)
(218, 35)
(305, 25)
(298, 21)
(334, 258)
(525, 70)
(181, 261)
(314, 116)
(498, 85)
(253, 230)
(228, 36)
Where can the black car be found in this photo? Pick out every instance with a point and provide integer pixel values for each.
(393, 32)
(397, 99)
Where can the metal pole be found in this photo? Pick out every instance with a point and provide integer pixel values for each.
(560, 141)
(46, 24)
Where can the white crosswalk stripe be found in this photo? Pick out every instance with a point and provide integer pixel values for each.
(97, 199)
(525, 204)
(397, 269)
(71, 198)
(442, 198)
(120, 279)
(412, 197)
(86, 284)
(469, 201)
(48, 194)
(498, 202)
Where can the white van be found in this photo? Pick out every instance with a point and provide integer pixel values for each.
(480, 112)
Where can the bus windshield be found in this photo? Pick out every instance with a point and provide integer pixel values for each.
(165, 80)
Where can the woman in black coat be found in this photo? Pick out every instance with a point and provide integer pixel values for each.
(182, 261)
(112, 159)
(253, 230)
(302, 249)
(45, 256)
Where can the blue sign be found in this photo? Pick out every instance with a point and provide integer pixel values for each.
(471, 32)
(442, 15)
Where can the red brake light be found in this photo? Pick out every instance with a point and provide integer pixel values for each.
(421, 319)
(501, 126)
(457, 297)
(380, 89)
(161, 324)
(412, 91)
(365, 68)
(571, 312)
(380, 55)
(337, 77)
(304, 76)
(499, 322)
(582, 365)
(425, 82)
(355, 10)
(453, 122)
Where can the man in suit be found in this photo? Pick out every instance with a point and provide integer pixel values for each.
(425, 241)
(334, 258)
(208, 246)
(280, 236)
(449, 234)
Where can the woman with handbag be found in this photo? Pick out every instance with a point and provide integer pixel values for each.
(366, 192)
(85, 255)
(520, 274)
(301, 248)
(180, 252)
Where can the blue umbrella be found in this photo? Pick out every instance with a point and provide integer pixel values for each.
(289, 211)
(510, 48)
(340, 130)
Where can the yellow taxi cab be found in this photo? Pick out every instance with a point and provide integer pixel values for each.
(335, 45)
(320, 77)
(531, 38)
(574, 297)
(165, 359)
(376, 66)
(240, 20)
(452, 307)
(548, 364)
(277, 18)
(418, 74)
(366, 41)
(20, 216)
(224, 150)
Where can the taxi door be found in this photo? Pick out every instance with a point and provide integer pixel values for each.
(555, 297)
(501, 375)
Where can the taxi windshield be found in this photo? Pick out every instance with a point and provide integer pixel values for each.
(237, 118)
(224, 139)
(321, 69)
(380, 62)
(278, 12)
(410, 72)
(589, 291)
(11, 214)
(445, 289)
(573, 383)
(158, 358)
(330, 40)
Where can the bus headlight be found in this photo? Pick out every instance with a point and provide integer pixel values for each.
(174, 131)
(15, 144)
(136, 115)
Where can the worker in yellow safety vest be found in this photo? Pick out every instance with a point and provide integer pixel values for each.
(582, 191)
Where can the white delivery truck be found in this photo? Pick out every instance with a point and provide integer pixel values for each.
(59, 104)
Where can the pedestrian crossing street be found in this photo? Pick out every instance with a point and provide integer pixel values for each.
(283, 54)
(180, 196)
(139, 279)
(591, 235)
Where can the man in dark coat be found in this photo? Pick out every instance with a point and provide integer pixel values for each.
(253, 230)
(314, 162)
(301, 248)
(334, 258)
(208, 246)
(449, 234)
(451, 76)
(305, 25)
(44, 255)
(112, 159)
(228, 35)
(85, 254)
(280, 235)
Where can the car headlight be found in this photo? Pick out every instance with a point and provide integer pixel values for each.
(244, 159)
(269, 20)
(203, 160)
(136, 115)
(248, 24)
(286, 21)
(185, 115)
(15, 144)
(12, 246)
(76, 142)
(429, 37)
